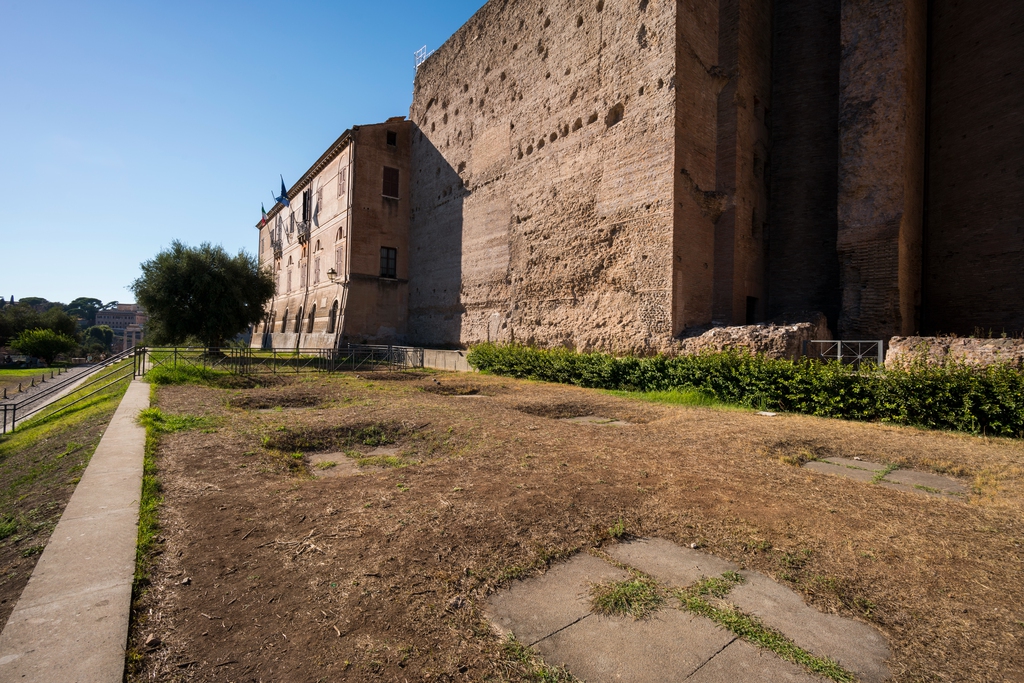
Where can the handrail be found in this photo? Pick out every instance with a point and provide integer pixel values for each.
(62, 384)
(126, 372)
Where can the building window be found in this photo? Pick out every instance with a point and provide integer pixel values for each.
(312, 319)
(316, 270)
(284, 322)
(388, 262)
(307, 208)
(332, 321)
(289, 280)
(298, 321)
(302, 275)
(391, 182)
(392, 139)
(342, 180)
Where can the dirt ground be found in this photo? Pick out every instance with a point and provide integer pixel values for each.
(266, 573)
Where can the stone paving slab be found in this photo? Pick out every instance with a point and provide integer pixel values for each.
(932, 481)
(668, 562)
(669, 646)
(535, 609)
(855, 645)
(741, 662)
(840, 471)
(858, 464)
(71, 623)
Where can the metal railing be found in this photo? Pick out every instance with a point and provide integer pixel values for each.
(853, 352)
(112, 371)
(249, 361)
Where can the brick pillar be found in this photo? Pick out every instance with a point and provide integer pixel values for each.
(881, 166)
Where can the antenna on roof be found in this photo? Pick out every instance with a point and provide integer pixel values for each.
(421, 56)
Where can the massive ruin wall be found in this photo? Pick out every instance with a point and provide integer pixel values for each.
(803, 269)
(974, 211)
(542, 189)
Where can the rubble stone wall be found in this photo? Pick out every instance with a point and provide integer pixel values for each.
(543, 174)
(970, 350)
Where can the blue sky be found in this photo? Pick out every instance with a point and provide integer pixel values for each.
(124, 125)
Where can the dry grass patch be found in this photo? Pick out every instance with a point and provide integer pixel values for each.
(378, 576)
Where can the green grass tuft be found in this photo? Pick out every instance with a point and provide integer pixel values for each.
(638, 597)
(163, 423)
(8, 526)
(165, 375)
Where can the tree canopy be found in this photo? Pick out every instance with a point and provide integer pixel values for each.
(201, 292)
(45, 344)
(16, 318)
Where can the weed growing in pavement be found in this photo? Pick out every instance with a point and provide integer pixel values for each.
(637, 597)
(695, 600)
(326, 464)
(382, 461)
(519, 659)
(879, 476)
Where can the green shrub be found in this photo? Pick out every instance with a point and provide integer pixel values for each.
(954, 396)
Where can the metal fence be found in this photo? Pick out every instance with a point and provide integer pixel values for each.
(248, 361)
(855, 352)
(50, 401)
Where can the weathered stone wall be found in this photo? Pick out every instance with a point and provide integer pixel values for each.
(543, 178)
(974, 232)
(881, 165)
(785, 340)
(969, 350)
(803, 268)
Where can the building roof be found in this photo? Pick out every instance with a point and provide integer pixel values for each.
(327, 157)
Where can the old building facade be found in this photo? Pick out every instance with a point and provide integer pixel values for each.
(339, 252)
(617, 174)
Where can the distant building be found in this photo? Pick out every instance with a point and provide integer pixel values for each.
(339, 253)
(122, 317)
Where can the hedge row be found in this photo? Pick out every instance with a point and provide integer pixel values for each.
(954, 397)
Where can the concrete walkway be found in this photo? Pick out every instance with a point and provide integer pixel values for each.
(71, 623)
(552, 614)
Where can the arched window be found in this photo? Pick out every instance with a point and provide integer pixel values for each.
(317, 246)
(298, 321)
(290, 262)
(284, 321)
(338, 238)
(312, 319)
(271, 321)
(332, 321)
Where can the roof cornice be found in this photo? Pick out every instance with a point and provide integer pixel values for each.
(327, 157)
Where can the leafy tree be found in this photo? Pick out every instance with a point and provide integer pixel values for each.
(60, 322)
(15, 319)
(99, 335)
(201, 292)
(42, 343)
(85, 309)
(36, 302)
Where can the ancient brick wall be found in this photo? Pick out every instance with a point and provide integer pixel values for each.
(881, 165)
(803, 268)
(542, 193)
(974, 231)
